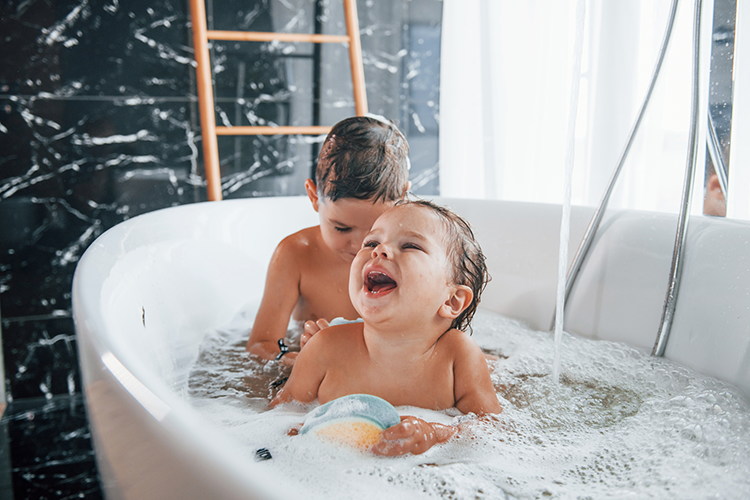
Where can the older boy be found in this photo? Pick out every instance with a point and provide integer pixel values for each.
(362, 171)
(416, 283)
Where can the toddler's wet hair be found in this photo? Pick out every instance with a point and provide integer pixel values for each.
(465, 256)
(364, 158)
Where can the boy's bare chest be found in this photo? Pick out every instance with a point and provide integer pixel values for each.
(324, 293)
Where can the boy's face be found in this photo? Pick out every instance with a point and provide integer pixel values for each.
(345, 222)
(402, 269)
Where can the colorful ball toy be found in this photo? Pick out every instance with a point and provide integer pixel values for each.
(356, 420)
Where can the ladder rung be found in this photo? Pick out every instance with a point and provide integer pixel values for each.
(258, 36)
(272, 130)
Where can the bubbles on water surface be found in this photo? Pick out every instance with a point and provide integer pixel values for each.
(621, 424)
(575, 402)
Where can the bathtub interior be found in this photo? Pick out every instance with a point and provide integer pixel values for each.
(147, 291)
(175, 279)
(145, 294)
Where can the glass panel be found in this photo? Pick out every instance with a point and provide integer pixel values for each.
(720, 108)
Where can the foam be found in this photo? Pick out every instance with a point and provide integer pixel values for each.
(621, 424)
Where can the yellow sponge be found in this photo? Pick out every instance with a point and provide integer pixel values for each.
(354, 433)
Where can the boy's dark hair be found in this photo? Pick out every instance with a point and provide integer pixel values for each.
(465, 257)
(364, 158)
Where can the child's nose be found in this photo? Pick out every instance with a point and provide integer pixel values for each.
(382, 251)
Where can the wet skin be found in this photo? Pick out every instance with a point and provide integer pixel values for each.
(309, 271)
(405, 351)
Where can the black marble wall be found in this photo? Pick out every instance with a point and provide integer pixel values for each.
(99, 123)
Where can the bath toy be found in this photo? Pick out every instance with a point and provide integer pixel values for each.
(356, 420)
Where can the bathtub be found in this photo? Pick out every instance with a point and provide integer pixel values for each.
(146, 291)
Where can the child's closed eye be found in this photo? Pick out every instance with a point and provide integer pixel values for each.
(412, 246)
(370, 244)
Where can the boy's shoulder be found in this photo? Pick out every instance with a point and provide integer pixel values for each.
(301, 241)
(304, 236)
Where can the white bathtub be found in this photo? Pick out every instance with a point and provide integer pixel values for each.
(146, 291)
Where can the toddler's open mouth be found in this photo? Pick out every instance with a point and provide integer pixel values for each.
(378, 282)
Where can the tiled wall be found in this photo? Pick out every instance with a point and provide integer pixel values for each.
(99, 123)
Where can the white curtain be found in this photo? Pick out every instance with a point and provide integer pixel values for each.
(505, 92)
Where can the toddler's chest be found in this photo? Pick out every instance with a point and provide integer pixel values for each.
(430, 388)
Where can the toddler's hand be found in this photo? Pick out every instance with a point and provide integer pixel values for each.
(412, 435)
(311, 328)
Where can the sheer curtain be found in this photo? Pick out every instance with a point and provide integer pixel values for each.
(505, 91)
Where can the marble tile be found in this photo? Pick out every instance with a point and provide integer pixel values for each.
(275, 83)
(76, 48)
(32, 285)
(6, 478)
(289, 16)
(111, 161)
(40, 358)
(47, 448)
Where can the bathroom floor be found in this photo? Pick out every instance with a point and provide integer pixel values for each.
(46, 451)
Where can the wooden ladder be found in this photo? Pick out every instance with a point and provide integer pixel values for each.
(209, 130)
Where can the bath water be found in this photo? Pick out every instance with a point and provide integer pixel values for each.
(620, 424)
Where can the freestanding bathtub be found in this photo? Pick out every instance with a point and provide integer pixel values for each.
(146, 291)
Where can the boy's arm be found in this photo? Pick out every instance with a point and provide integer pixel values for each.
(311, 328)
(280, 296)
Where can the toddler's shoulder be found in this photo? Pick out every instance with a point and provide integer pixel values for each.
(460, 344)
(336, 341)
(456, 336)
(342, 333)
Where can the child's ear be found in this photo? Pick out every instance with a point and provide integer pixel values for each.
(312, 193)
(457, 302)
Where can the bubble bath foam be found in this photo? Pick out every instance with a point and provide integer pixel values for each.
(619, 424)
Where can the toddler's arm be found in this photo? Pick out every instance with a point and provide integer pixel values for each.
(473, 391)
(472, 384)
(474, 394)
(307, 374)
